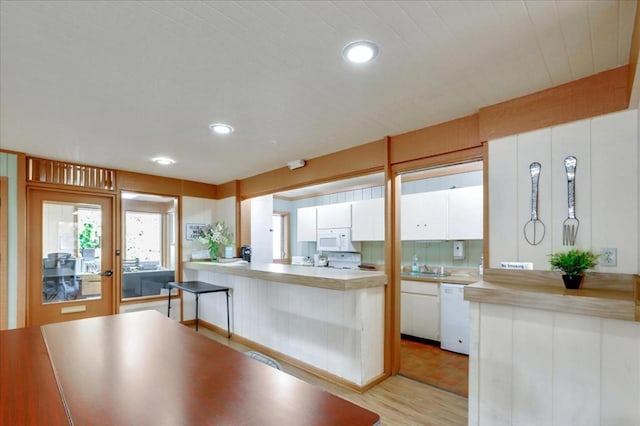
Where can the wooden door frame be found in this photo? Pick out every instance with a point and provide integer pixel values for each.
(35, 197)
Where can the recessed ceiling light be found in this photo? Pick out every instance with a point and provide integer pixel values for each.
(164, 161)
(221, 128)
(359, 52)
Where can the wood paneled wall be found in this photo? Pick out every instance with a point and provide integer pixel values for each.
(606, 190)
(339, 332)
(634, 55)
(588, 97)
(455, 135)
(533, 367)
(347, 163)
(140, 182)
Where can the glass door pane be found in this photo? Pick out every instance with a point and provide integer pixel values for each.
(71, 246)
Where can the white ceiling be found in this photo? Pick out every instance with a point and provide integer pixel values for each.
(114, 84)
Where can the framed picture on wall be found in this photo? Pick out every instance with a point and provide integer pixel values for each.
(193, 230)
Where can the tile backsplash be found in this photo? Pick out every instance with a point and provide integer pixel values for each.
(436, 253)
(372, 252)
(431, 253)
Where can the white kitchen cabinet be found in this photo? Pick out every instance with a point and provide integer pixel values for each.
(420, 309)
(306, 224)
(368, 220)
(424, 216)
(465, 213)
(406, 323)
(334, 216)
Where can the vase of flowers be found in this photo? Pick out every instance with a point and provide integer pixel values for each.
(214, 236)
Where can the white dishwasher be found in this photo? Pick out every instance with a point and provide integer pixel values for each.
(454, 318)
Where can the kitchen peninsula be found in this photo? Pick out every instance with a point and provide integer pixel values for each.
(541, 354)
(331, 320)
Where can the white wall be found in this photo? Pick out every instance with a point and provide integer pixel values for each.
(532, 367)
(537, 367)
(225, 211)
(9, 169)
(607, 185)
(205, 210)
(261, 234)
(341, 332)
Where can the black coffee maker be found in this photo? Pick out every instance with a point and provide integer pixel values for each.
(245, 253)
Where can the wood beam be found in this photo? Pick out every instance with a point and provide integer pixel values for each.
(588, 97)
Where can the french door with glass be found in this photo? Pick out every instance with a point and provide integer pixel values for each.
(70, 251)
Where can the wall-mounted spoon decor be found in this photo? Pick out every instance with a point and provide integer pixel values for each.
(534, 229)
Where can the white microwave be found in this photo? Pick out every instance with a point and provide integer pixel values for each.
(335, 239)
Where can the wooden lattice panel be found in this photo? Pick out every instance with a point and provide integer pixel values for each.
(62, 173)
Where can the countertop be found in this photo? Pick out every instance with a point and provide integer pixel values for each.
(613, 296)
(331, 278)
(454, 278)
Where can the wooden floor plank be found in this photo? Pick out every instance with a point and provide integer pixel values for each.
(398, 400)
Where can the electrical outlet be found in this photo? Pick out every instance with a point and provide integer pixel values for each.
(608, 257)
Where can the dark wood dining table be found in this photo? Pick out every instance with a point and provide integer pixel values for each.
(145, 369)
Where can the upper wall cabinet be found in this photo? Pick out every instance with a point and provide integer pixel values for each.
(334, 216)
(424, 216)
(368, 220)
(307, 224)
(452, 214)
(465, 213)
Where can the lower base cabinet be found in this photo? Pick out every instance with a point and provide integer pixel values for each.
(420, 310)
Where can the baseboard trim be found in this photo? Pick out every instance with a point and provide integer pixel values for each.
(315, 371)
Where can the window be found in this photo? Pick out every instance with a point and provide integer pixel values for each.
(143, 237)
(149, 244)
(280, 228)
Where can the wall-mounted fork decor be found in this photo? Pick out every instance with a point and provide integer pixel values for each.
(571, 223)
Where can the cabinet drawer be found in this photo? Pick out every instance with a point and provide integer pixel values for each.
(419, 287)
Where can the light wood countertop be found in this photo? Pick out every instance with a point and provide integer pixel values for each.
(603, 295)
(453, 279)
(330, 278)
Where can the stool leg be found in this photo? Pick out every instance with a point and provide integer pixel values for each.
(197, 311)
(228, 326)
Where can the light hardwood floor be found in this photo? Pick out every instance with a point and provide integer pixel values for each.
(398, 400)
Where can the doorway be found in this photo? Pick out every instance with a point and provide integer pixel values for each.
(150, 249)
(70, 265)
(441, 245)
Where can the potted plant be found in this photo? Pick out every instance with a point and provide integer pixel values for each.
(215, 235)
(573, 263)
(88, 238)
